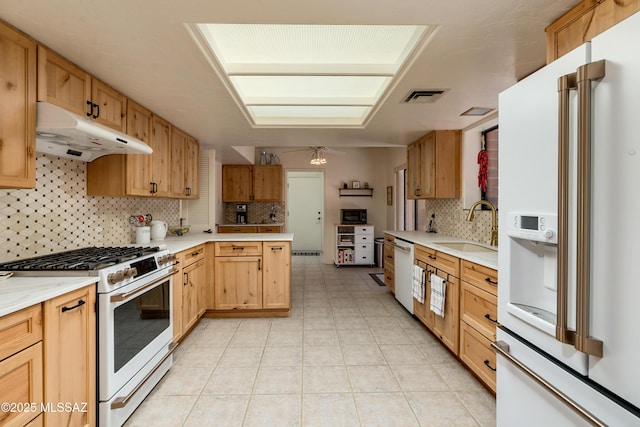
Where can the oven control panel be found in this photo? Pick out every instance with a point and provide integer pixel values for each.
(540, 227)
(117, 276)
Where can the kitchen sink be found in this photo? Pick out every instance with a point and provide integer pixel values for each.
(466, 247)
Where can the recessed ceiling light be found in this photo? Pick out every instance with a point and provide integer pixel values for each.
(477, 111)
(310, 75)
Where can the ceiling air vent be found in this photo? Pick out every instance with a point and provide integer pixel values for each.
(424, 96)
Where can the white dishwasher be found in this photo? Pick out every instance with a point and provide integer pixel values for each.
(403, 262)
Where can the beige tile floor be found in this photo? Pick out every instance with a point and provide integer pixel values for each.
(349, 355)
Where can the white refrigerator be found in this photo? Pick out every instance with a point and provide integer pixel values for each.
(569, 261)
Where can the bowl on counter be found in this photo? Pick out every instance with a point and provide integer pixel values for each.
(178, 230)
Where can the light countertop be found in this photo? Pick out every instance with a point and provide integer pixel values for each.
(189, 240)
(17, 293)
(20, 292)
(430, 240)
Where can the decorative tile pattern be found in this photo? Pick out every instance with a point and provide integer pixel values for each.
(451, 220)
(58, 215)
(257, 212)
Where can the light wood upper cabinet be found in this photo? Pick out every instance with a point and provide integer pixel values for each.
(161, 158)
(192, 169)
(185, 165)
(70, 356)
(585, 21)
(237, 183)
(137, 174)
(246, 183)
(268, 183)
(433, 166)
(276, 277)
(17, 109)
(62, 83)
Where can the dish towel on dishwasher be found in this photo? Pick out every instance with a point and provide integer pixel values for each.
(418, 283)
(438, 293)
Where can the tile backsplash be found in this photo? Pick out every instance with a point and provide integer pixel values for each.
(451, 220)
(58, 215)
(257, 212)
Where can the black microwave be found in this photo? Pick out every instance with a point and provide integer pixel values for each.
(353, 216)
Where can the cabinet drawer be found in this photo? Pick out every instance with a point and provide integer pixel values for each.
(388, 255)
(483, 277)
(479, 309)
(238, 248)
(364, 238)
(477, 354)
(390, 277)
(368, 230)
(192, 255)
(364, 258)
(238, 229)
(444, 262)
(269, 229)
(389, 239)
(19, 330)
(21, 381)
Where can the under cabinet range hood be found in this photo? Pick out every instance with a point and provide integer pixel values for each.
(62, 133)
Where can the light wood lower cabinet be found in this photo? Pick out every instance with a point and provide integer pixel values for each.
(21, 382)
(478, 321)
(70, 356)
(238, 282)
(389, 262)
(253, 278)
(276, 278)
(189, 290)
(446, 266)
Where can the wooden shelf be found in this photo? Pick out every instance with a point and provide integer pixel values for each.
(358, 192)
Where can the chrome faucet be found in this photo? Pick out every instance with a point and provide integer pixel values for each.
(494, 218)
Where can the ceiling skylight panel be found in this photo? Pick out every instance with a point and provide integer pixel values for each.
(315, 75)
(310, 89)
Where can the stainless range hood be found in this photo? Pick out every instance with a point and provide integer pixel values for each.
(62, 133)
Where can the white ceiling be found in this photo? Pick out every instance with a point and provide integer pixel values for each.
(143, 48)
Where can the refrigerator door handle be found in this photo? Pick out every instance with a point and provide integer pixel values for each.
(566, 83)
(585, 75)
(502, 349)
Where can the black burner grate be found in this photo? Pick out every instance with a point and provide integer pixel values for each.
(92, 258)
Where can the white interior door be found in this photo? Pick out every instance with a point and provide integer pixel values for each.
(305, 209)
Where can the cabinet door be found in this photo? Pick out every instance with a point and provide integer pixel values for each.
(413, 170)
(161, 157)
(447, 327)
(69, 355)
(238, 282)
(177, 299)
(21, 382)
(447, 167)
(138, 173)
(110, 104)
(427, 183)
(237, 183)
(62, 83)
(192, 169)
(17, 110)
(276, 279)
(194, 277)
(178, 158)
(421, 310)
(268, 183)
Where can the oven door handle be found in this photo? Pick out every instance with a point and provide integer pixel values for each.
(123, 401)
(127, 295)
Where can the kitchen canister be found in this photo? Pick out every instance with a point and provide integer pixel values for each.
(158, 230)
(143, 235)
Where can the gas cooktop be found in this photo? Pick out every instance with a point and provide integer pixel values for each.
(84, 259)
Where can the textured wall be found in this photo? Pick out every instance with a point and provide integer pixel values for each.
(58, 215)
